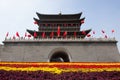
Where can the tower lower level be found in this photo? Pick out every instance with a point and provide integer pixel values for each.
(60, 50)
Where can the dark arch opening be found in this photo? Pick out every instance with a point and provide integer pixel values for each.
(59, 57)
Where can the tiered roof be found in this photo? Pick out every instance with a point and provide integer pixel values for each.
(60, 16)
(49, 23)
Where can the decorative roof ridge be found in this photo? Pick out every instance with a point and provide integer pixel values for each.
(35, 19)
(80, 13)
(59, 16)
(59, 19)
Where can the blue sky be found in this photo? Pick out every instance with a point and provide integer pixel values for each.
(17, 15)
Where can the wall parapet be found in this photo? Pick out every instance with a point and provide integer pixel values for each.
(62, 40)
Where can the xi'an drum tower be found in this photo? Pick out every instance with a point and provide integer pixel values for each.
(59, 38)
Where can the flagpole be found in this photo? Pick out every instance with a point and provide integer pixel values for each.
(113, 35)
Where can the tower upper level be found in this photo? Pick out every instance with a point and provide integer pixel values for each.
(67, 22)
(59, 26)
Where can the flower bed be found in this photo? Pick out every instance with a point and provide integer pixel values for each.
(59, 71)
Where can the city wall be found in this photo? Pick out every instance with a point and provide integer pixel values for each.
(92, 50)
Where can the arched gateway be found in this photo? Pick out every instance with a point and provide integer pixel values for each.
(59, 56)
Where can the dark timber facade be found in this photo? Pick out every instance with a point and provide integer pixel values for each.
(48, 24)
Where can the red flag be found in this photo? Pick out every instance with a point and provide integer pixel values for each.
(82, 21)
(17, 34)
(103, 31)
(13, 37)
(43, 35)
(93, 32)
(65, 34)
(83, 32)
(75, 34)
(29, 35)
(88, 35)
(7, 34)
(58, 31)
(52, 34)
(105, 36)
(25, 34)
(113, 31)
(35, 34)
(35, 22)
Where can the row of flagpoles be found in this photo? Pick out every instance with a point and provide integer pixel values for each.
(58, 34)
(35, 34)
(65, 33)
